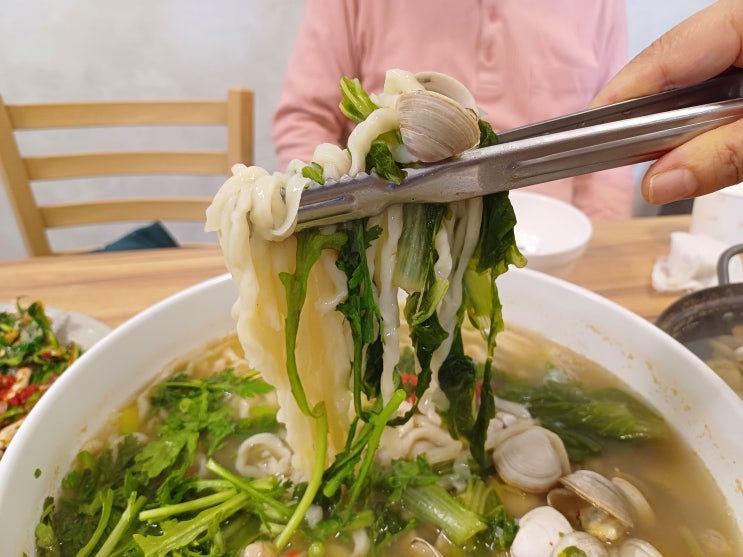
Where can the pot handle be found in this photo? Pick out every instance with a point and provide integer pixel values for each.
(723, 263)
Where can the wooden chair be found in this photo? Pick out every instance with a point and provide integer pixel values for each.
(19, 172)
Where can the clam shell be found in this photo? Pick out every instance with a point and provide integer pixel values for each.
(568, 503)
(584, 541)
(435, 127)
(601, 524)
(448, 86)
(600, 492)
(539, 531)
(738, 355)
(714, 543)
(641, 509)
(634, 547)
(532, 460)
(422, 548)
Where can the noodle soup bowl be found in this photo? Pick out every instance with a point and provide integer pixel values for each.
(694, 400)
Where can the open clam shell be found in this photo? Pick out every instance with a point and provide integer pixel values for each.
(532, 460)
(601, 493)
(539, 531)
(634, 547)
(434, 126)
(639, 506)
(447, 85)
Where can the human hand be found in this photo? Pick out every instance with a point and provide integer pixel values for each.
(700, 47)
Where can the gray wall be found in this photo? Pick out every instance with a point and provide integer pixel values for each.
(68, 50)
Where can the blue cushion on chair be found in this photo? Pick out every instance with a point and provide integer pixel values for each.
(148, 237)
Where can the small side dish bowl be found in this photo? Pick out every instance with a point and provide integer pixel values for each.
(551, 234)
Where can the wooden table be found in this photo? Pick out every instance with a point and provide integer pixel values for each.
(619, 260)
(113, 287)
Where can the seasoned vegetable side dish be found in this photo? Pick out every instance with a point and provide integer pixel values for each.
(372, 401)
(31, 359)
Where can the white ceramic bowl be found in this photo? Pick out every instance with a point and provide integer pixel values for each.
(552, 234)
(704, 411)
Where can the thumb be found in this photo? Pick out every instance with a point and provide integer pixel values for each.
(704, 164)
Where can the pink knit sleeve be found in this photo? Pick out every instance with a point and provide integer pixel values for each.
(608, 195)
(307, 113)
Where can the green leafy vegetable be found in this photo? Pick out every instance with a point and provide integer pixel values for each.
(310, 244)
(314, 171)
(487, 135)
(363, 450)
(501, 529)
(434, 505)
(381, 160)
(47, 544)
(107, 500)
(141, 499)
(414, 272)
(403, 474)
(585, 419)
(195, 408)
(415, 248)
(127, 518)
(355, 104)
(363, 313)
(360, 309)
(313, 486)
(28, 345)
(496, 250)
(458, 380)
(179, 534)
(426, 336)
(572, 551)
(475, 520)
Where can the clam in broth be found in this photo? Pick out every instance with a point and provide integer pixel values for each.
(621, 503)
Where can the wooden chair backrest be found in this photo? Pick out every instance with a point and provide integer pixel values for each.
(236, 113)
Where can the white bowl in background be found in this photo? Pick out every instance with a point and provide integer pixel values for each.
(552, 234)
(704, 412)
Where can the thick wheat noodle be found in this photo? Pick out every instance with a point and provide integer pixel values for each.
(253, 215)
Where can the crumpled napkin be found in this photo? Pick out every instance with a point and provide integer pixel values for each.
(692, 264)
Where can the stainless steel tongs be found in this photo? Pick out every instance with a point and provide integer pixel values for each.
(607, 137)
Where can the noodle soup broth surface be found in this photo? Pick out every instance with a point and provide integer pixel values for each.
(688, 506)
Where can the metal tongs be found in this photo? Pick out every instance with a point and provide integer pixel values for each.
(616, 135)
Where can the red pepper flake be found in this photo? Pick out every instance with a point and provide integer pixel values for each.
(409, 383)
(22, 397)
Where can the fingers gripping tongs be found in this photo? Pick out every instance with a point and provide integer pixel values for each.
(607, 137)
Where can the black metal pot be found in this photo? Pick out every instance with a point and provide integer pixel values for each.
(708, 313)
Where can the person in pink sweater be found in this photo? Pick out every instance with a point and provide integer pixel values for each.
(523, 60)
